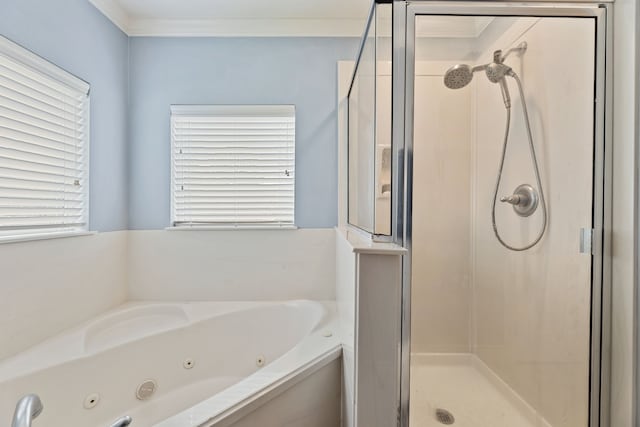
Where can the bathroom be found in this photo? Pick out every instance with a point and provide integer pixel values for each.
(318, 213)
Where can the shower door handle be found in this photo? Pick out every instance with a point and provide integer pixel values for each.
(586, 241)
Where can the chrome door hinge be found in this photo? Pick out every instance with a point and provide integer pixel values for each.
(586, 241)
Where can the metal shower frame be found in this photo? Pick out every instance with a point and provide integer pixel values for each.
(403, 34)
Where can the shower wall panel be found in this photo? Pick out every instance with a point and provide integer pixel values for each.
(441, 293)
(531, 309)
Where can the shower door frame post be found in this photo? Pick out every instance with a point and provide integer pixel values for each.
(402, 168)
(404, 16)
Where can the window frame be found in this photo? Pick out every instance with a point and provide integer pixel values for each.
(38, 64)
(222, 110)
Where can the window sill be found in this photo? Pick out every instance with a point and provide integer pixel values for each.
(230, 227)
(45, 236)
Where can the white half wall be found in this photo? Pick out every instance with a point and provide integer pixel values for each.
(346, 278)
(229, 265)
(378, 336)
(368, 291)
(52, 285)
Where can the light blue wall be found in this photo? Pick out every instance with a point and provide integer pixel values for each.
(300, 71)
(134, 81)
(75, 36)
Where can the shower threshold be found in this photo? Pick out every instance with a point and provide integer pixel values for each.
(462, 385)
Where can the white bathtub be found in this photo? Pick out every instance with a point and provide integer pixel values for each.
(210, 361)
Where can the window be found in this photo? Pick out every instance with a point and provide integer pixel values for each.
(232, 165)
(43, 146)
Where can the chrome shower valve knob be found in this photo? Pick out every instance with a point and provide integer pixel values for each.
(524, 200)
(513, 199)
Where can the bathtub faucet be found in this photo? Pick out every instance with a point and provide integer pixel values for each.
(28, 408)
(122, 422)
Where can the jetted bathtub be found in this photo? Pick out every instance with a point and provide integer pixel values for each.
(170, 365)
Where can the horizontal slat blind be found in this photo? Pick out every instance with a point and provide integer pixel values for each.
(43, 145)
(233, 165)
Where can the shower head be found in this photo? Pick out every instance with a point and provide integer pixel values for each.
(458, 76)
(497, 71)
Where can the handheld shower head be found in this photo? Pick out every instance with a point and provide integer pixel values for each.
(496, 73)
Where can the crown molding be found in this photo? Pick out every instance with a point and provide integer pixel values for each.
(112, 10)
(246, 28)
(302, 27)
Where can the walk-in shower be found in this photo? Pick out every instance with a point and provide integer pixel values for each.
(499, 181)
(525, 198)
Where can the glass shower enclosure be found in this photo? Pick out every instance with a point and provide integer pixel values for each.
(479, 141)
(369, 109)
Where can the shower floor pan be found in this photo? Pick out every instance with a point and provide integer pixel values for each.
(465, 387)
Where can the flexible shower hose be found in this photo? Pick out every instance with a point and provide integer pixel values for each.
(532, 151)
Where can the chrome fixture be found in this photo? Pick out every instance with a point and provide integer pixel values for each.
(461, 75)
(525, 199)
(122, 422)
(28, 408)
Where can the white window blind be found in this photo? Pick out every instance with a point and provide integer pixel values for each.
(43, 145)
(233, 165)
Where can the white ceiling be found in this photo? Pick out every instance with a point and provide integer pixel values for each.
(237, 17)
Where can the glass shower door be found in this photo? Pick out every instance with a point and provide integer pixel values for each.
(507, 181)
